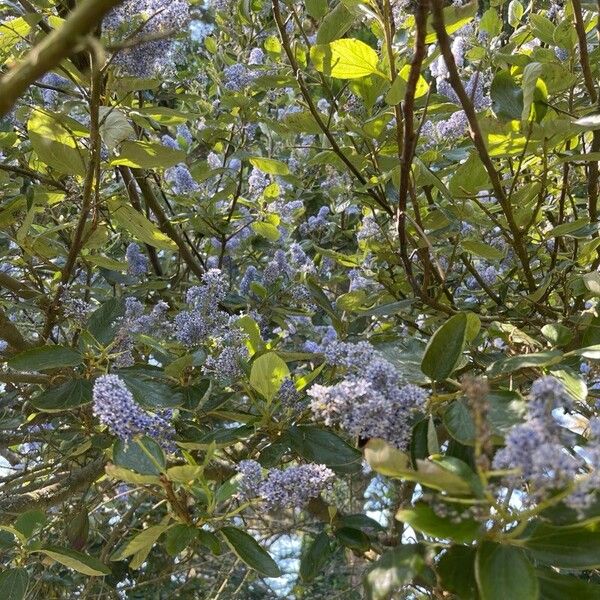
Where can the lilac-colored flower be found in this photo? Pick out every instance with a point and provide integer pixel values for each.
(137, 262)
(115, 407)
(295, 486)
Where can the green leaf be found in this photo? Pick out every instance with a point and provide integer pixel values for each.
(470, 178)
(247, 549)
(385, 458)
(82, 563)
(102, 323)
(138, 225)
(557, 586)
(353, 538)
(151, 393)
(572, 547)
(515, 13)
(316, 557)
(423, 518)
(455, 18)
(542, 28)
(351, 301)
(13, 584)
(147, 155)
(266, 230)
(210, 540)
(267, 374)
(345, 59)
(179, 538)
(325, 447)
(504, 572)
(142, 541)
(445, 348)
(54, 144)
(67, 396)
(43, 358)
(144, 456)
(491, 22)
(507, 96)
(29, 521)
(165, 115)
(398, 88)
(270, 165)
(123, 474)
(114, 127)
(482, 250)
(335, 24)
(394, 569)
(557, 334)
(317, 9)
(456, 569)
(531, 73)
(459, 422)
(514, 363)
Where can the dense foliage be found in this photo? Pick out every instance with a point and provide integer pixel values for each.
(299, 299)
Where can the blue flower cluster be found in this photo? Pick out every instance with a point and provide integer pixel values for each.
(371, 401)
(114, 405)
(181, 180)
(142, 19)
(134, 322)
(535, 450)
(192, 327)
(283, 488)
(137, 262)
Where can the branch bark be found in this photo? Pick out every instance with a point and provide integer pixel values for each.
(166, 226)
(479, 142)
(51, 50)
(59, 490)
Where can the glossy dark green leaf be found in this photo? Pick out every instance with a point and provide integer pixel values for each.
(103, 322)
(504, 572)
(66, 396)
(179, 537)
(325, 447)
(445, 348)
(248, 550)
(43, 358)
(558, 586)
(570, 547)
(13, 584)
(457, 572)
(152, 393)
(144, 456)
(524, 361)
(352, 538)
(315, 558)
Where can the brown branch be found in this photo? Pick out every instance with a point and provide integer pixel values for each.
(315, 113)
(135, 200)
(409, 139)
(51, 50)
(584, 58)
(58, 490)
(34, 175)
(16, 287)
(10, 334)
(91, 180)
(479, 142)
(166, 226)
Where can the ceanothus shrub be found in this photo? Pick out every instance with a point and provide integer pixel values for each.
(299, 299)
